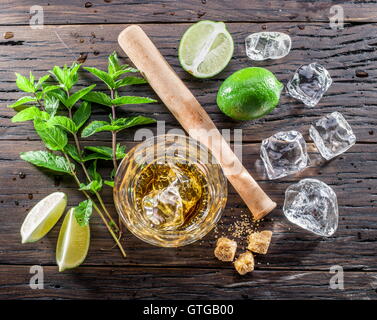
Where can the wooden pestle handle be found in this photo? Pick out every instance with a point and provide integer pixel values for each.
(191, 115)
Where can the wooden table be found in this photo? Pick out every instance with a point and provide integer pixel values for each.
(298, 264)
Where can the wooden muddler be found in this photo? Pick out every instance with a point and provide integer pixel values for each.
(191, 115)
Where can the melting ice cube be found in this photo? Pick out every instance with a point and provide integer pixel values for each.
(166, 207)
(332, 135)
(312, 205)
(309, 83)
(284, 153)
(267, 45)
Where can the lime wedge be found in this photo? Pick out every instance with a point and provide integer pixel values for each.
(73, 243)
(43, 216)
(205, 49)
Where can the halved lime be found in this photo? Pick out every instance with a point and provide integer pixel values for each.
(73, 243)
(205, 49)
(43, 216)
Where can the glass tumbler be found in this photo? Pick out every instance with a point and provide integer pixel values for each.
(174, 151)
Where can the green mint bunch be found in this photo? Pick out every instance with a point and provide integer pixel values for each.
(59, 114)
(42, 108)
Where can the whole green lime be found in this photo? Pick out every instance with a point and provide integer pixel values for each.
(249, 93)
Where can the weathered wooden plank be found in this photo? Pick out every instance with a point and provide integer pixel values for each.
(344, 53)
(352, 175)
(124, 11)
(182, 283)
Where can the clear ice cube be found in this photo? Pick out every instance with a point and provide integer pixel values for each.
(332, 135)
(309, 83)
(267, 45)
(284, 153)
(312, 205)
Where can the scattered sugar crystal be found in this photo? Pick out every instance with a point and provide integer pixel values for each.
(225, 249)
(259, 242)
(244, 263)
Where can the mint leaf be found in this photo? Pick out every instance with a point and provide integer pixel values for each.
(64, 122)
(83, 212)
(70, 102)
(106, 151)
(61, 75)
(102, 75)
(51, 105)
(98, 97)
(41, 81)
(72, 73)
(71, 150)
(125, 69)
(92, 170)
(82, 114)
(113, 63)
(32, 79)
(49, 88)
(22, 101)
(129, 81)
(66, 76)
(47, 160)
(93, 186)
(95, 156)
(31, 113)
(109, 183)
(123, 123)
(131, 100)
(120, 151)
(53, 137)
(24, 83)
(61, 95)
(94, 127)
(117, 125)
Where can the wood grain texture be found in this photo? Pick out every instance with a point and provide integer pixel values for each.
(297, 265)
(173, 11)
(352, 176)
(344, 53)
(181, 283)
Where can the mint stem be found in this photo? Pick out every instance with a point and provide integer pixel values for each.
(95, 207)
(78, 146)
(114, 147)
(114, 134)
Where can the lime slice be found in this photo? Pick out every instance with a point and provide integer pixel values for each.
(43, 216)
(73, 243)
(205, 49)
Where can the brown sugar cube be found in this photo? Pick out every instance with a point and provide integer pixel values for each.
(244, 263)
(259, 241)
(225, 249)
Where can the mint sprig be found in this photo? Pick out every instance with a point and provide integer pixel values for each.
(112, 79)
(59, 114)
